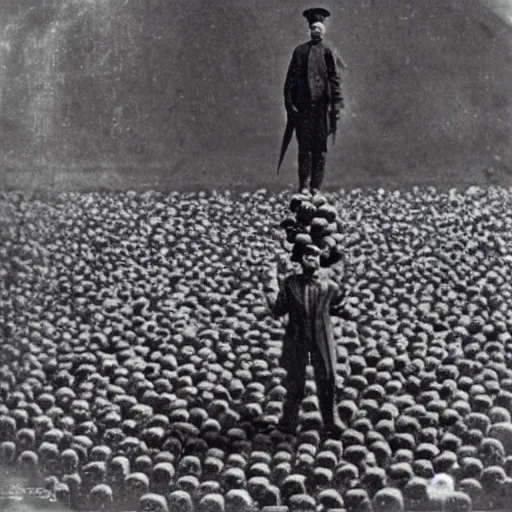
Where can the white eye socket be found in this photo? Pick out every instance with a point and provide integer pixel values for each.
(317, 27)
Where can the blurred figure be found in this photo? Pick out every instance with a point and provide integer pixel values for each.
(308, 299)
(313, 99)
(440, 486)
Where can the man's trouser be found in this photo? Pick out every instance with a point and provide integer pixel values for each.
(312, 132)
(311, 169)
(296, 387)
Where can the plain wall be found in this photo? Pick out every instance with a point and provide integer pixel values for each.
(186, 94)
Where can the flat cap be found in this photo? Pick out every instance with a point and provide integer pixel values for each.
(316, 14)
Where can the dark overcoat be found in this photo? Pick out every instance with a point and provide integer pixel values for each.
(309, 304)
(303, 76)
(297, 89)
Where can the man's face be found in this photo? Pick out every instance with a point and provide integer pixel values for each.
(311, 262)
(317, 30)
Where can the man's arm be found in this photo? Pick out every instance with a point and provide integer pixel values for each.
(290, 84)
(275, 293)
(334, 63)
(278, 306)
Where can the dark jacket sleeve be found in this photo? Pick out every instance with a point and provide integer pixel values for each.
(333, 63)
(291, 81)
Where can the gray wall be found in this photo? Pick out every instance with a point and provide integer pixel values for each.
(188, 93)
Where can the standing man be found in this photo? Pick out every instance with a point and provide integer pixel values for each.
(308, 299)
(313, 99)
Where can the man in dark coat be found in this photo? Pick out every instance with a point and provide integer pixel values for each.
(309, 299)
(313, 99)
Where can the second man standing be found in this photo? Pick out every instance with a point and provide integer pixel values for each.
(313, 99)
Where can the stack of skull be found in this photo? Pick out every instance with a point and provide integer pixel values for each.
(315, 222)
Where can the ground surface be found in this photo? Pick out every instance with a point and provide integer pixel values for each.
(129, 320)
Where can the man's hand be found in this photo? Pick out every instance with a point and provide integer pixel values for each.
(270, 284)
(268, 279)
(273, 276)
(293, 111)
(281, 267)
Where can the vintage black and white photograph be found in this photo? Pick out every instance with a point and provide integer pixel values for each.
(256, 256)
